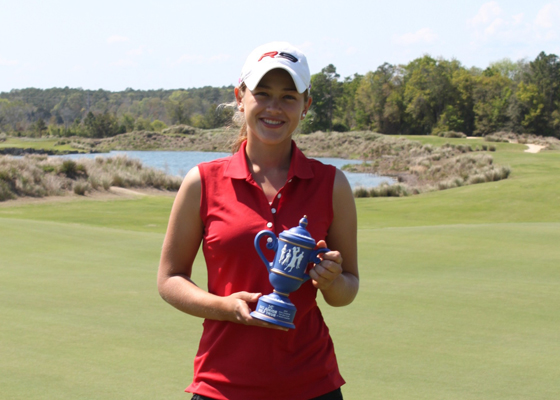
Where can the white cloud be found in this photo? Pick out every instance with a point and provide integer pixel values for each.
(546, 25)
(548, 16)
(486, 14)
(488, 21)
(117, 39)
(7, 63)
(425, 35)
(494, 25)
(518, 19)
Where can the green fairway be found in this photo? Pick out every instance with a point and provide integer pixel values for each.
(459, 297)
(41, 143)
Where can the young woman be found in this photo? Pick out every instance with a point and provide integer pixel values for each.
(267, 184)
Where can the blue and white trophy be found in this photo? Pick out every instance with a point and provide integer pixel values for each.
(294, 249)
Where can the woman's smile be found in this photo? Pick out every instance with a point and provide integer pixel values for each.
(272, 122)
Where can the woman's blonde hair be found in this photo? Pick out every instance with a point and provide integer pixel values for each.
(238, 119)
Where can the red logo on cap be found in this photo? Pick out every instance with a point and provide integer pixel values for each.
(270, 54)
(274, 54)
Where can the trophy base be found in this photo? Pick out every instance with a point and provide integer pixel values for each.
(275, 309)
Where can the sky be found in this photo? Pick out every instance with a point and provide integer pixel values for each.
(172, 44)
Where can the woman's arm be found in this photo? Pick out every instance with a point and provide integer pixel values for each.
(337, 275)
(182, 240)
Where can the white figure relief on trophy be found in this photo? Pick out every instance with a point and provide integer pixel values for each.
(285, 255)
(297, 257)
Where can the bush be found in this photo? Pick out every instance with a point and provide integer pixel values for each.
(452, 134)
(182, 129)
(361, 192)
(383, 190)
(68, 167)
(81, 187)
(158, 125)
(340, 127)
(6, 192)
(495, 138)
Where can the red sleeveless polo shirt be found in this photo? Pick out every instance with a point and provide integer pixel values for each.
(238, 362)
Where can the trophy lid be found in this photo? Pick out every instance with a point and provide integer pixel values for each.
(298, 235)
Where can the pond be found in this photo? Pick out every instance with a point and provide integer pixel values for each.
(180, 162)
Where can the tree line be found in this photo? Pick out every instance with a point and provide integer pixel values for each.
(101, 113)
(431, 96)
(426, 96)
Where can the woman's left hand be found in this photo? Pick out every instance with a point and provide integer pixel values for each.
(325, 273)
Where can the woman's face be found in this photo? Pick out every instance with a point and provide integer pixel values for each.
(274, 108)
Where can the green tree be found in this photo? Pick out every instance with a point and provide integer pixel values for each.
(158, 125)
(40, 126)
(425, 94)
(532, 101)
(379, 100)
(437, 96)
(346, 104)
(492, 102)
(16, 115)
(325, 90)
(127, 120)
(101, 125)
(142, 124)
(545, 76)
(515, 71)
(179, 107)
(3, 104)
(458, 114)
(217, 116)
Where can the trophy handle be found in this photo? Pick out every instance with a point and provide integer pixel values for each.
(271, 245)
(314, 259)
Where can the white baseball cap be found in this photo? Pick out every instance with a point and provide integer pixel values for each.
(276, 55)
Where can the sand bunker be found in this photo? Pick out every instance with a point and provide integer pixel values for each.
(533, 148)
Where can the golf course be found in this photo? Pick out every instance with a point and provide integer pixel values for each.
(459, 294)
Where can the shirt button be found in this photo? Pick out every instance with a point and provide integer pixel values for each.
(279, 195)
(273, 210)
(269, 225)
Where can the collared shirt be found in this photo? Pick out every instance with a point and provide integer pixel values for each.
(235, 361)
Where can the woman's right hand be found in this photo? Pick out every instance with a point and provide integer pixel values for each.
(238, 303)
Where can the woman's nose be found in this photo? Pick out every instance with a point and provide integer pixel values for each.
(274, 104)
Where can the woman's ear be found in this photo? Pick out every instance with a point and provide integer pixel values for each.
(239, 99)
(306, 107)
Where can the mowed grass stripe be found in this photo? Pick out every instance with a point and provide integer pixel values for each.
(82, 317)
(144, 214)
(454, 312)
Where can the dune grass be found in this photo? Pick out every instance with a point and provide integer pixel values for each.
(459, 296)
(39, 176)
